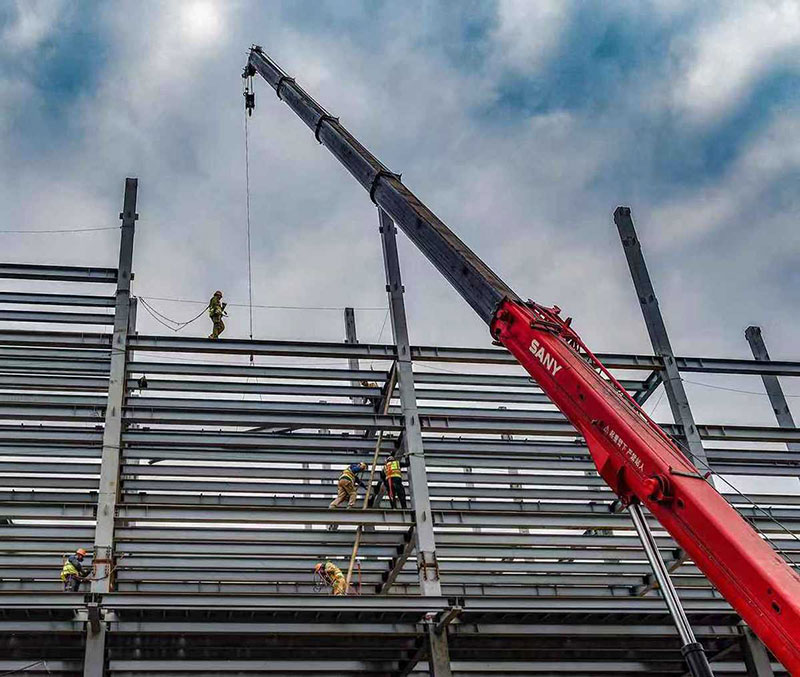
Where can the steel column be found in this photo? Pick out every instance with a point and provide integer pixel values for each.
(691, 649)
(427, 566)
(103, 558)
(351, 337)
(755, 654)
(771, 384)
(412, 431)
(438, 653)
(676, 394)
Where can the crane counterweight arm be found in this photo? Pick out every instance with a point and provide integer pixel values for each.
(632, 453)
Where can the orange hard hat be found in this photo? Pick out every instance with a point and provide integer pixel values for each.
(80, 551)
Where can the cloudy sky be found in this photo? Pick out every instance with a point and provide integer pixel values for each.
(521, 124)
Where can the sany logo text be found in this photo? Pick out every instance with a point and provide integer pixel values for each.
(547, 360)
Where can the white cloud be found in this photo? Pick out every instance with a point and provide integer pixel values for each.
(727, 55)
(709, 210)
(34, 21)
(527, 32)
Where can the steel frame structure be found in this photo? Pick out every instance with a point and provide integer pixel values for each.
(205, 496)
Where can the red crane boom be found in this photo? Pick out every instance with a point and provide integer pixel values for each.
(632, 453)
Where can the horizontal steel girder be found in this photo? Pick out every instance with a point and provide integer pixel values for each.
(22, 271)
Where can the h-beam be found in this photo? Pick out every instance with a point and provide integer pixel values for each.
(771, 384)
(657, 329)
(427, 565)
(108, 495)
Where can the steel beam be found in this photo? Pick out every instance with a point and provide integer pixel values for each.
(103, 562)
(755, 654)
(57, 299)
(20, 271)
(673, 385)
(55, 317)
(771, 384)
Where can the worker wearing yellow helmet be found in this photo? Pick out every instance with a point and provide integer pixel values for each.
(216, 309)
(332, 576)
(73, 573)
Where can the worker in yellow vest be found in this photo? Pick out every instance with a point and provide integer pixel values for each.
(394, 482)
(73, 573)
(332, 576)
(349, 481)
(216, 309)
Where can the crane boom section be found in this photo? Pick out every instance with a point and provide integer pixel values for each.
(632, 454)
(471, 277)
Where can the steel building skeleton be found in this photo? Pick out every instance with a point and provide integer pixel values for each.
(489, 573)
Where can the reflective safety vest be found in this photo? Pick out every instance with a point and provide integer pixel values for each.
(68, 570)
(349, 474)
(333, 572)
(392, 469)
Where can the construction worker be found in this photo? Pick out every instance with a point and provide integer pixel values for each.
(394, 482)
(374, 401)
(333, 576)
(349, 481)
(73, 573)
(216, 309)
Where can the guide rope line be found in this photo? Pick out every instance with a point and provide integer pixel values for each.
(25, 668)
(50, 232)
(163, 319)
(756, 506)
(270, 307)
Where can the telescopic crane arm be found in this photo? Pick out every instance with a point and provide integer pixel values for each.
(632, 453)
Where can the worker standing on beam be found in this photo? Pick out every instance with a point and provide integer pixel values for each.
(73, 572)
(216, 309)
(394, 482)
(332, 576)
(349, 481)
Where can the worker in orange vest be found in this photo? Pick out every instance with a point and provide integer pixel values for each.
(394, 482)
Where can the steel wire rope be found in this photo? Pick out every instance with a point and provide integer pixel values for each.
(272, 307)
(24, 668)
(733, 390)
(56, 231)
(163, 319)
(755, 505)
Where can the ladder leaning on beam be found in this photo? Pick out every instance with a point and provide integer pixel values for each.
(390, 383)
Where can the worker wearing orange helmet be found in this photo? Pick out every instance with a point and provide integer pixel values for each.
(332, 576)
(216, 309)
(349, 481)
(73, 573)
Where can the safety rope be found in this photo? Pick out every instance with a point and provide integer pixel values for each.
(163, 319)
(247, 211)
(755, 505)
(25, 668)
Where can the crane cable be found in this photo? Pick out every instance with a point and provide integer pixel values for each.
(247, 90)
